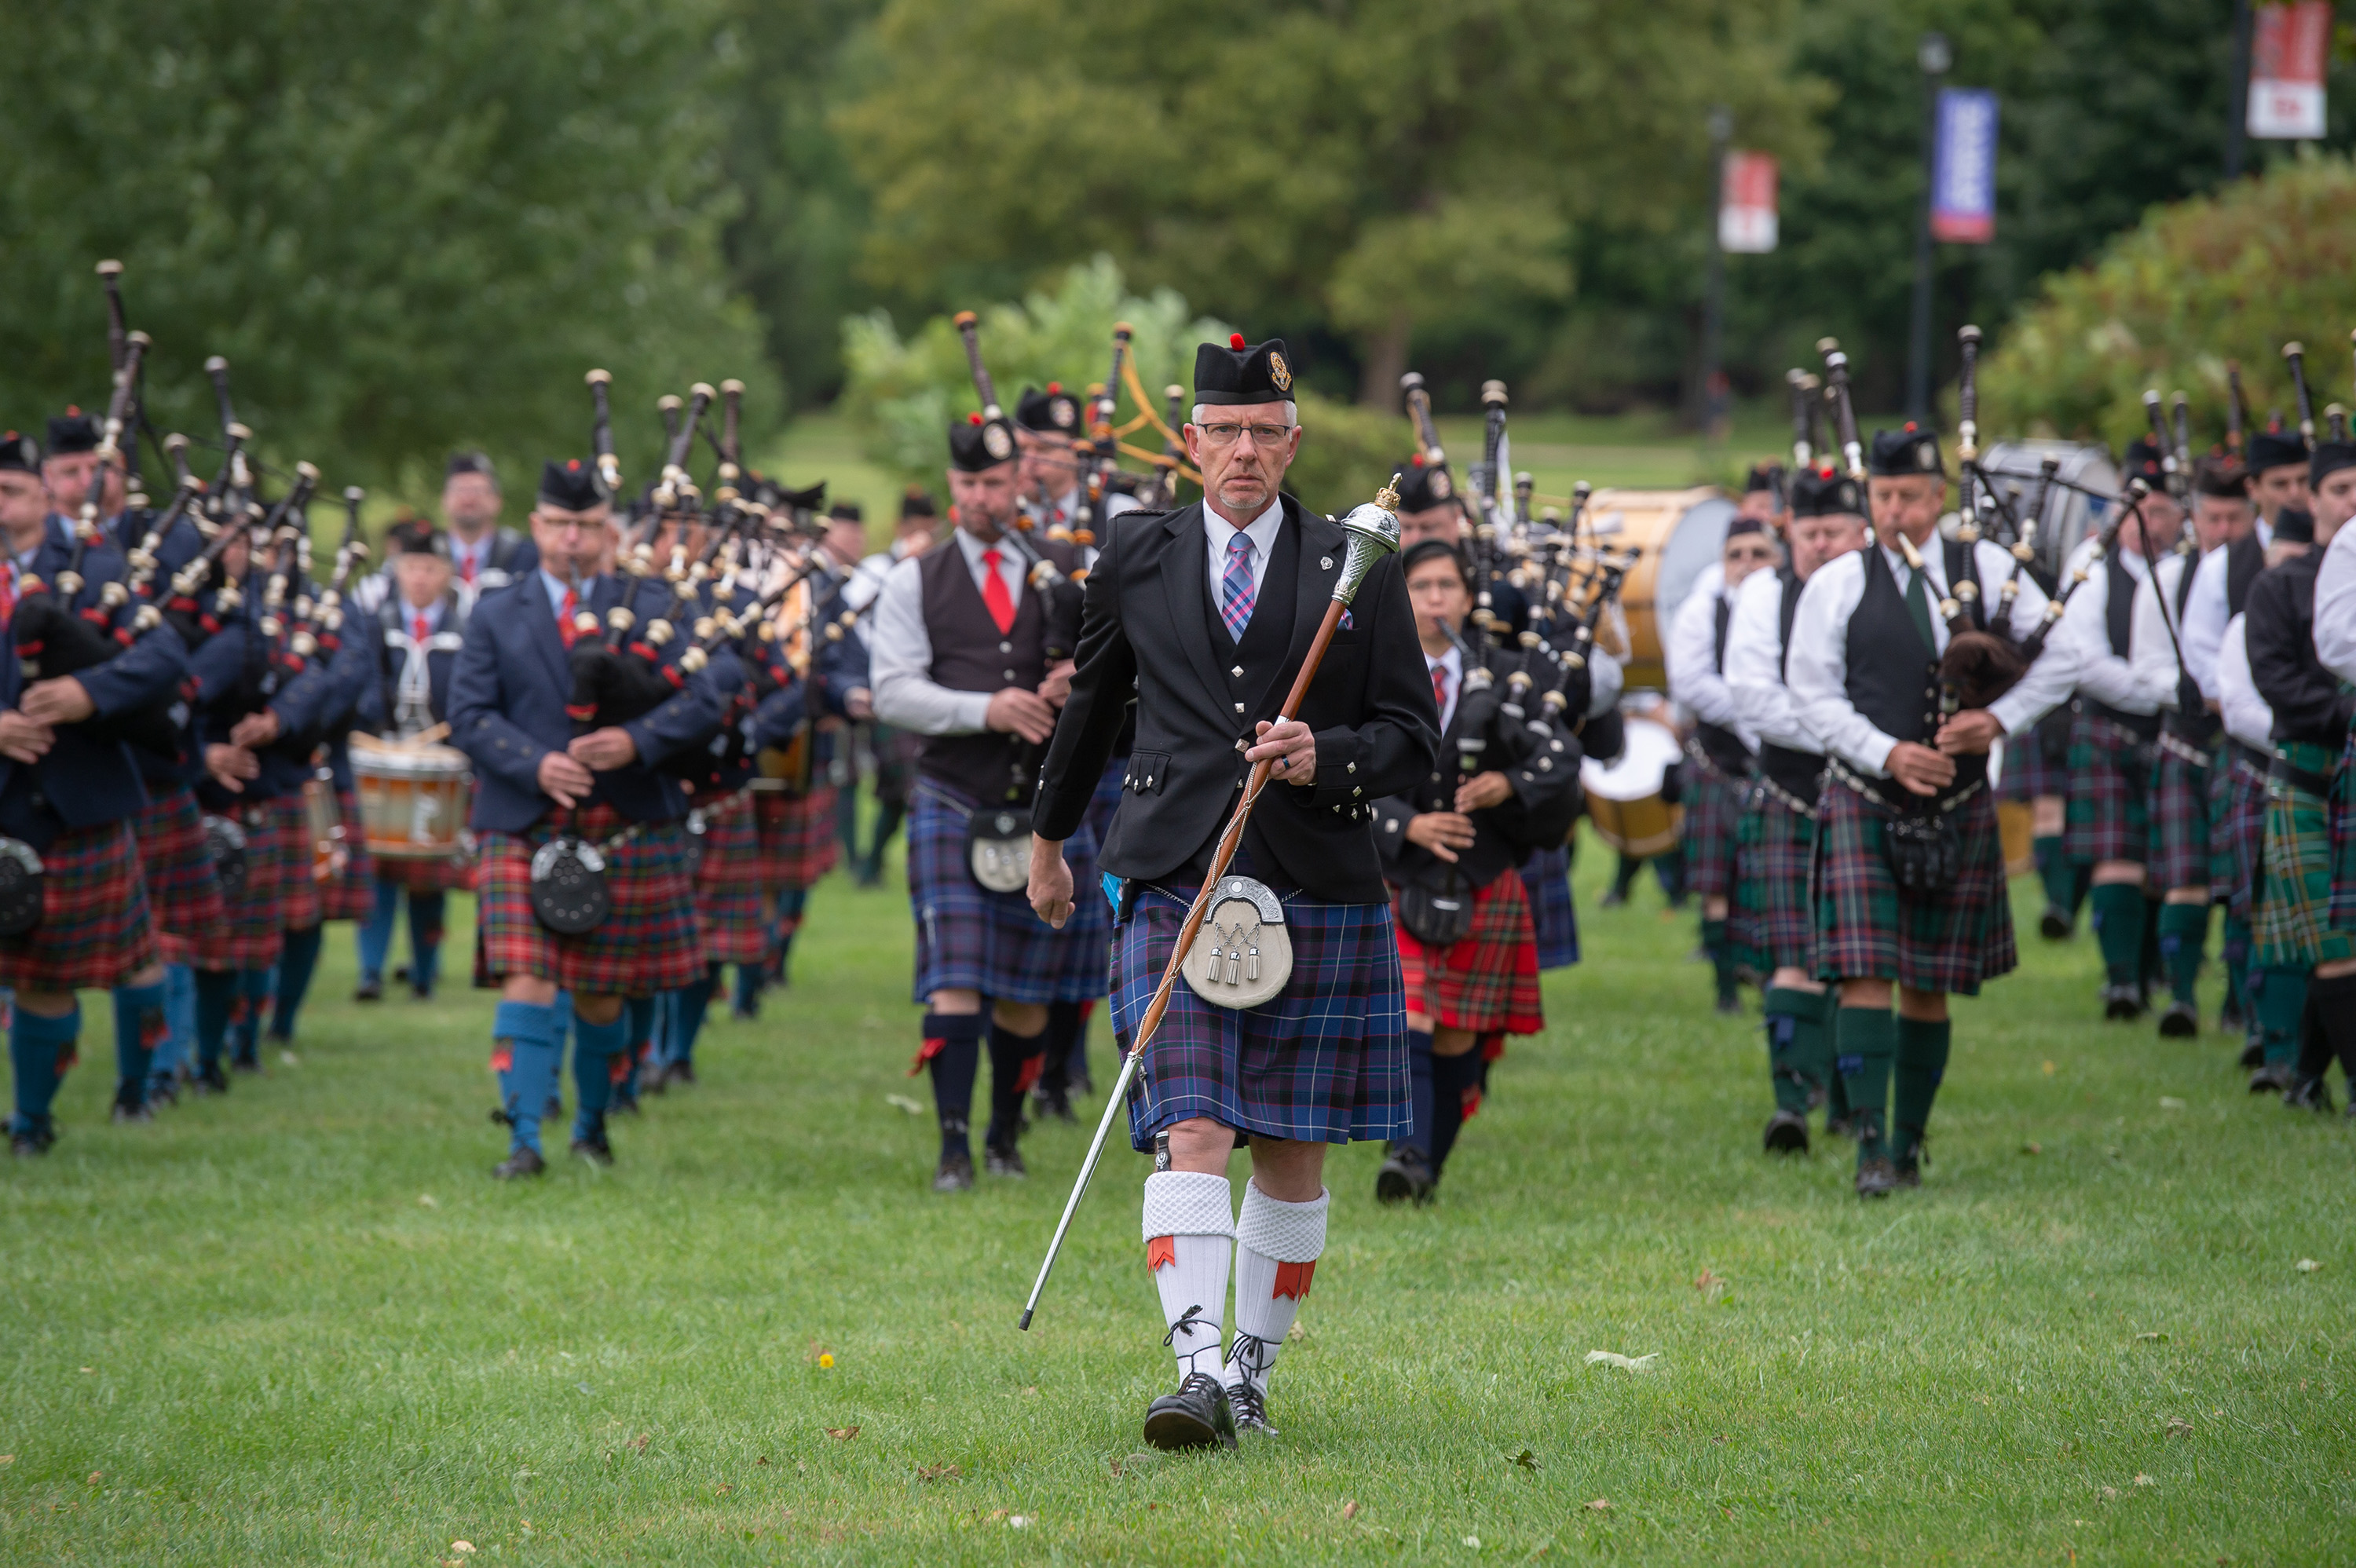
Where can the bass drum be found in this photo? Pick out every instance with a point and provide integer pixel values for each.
(1623, 800)
(2070, 515)
(1681, 533)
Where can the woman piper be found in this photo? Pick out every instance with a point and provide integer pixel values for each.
(1468, 951)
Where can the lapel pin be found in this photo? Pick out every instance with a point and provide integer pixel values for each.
(1325, 563)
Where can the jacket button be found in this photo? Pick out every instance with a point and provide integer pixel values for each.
(1010, 675)
(1350, 767)
(1006, 648)
(1239, 708)
(1357, 791)
(1435, 778)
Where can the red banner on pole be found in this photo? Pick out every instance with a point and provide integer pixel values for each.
(1746, 205)
(2287, 55)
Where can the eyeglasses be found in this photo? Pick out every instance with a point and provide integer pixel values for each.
(1751, 552)
(1261, 434)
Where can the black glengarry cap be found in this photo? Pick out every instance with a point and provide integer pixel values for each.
(1237, 373)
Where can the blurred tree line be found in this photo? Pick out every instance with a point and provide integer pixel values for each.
(411, 228)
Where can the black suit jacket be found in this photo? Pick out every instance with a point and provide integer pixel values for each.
(1146, 631)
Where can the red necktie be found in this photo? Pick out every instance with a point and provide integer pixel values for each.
(8, 591)
(570, 608)
(994, 594)
(419, 634)
(1439, 686)
(467, 565)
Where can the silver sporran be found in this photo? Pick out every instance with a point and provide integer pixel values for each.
(1242, 957)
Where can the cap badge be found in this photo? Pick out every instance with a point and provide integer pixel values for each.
(996, 441)
(1441, 486)
(1063, 414)
(1928, 455)
(1279, 372)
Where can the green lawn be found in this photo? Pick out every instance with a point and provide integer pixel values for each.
(300, 1324)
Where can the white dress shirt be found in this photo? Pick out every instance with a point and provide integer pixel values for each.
(2247, 717)
(2206, 613)
(1691, 656)
(2152, 650)
(1818, 666)
(1753, 655)
(1453, 661)
(2103, 674)
(1217, 531)
(2335, 605)
(901, 658)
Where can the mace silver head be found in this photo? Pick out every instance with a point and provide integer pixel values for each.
(1373, 529)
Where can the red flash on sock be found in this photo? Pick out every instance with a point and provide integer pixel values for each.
(1032, 1066)
(1159, 1252)
(930, 1049)
(1472, 1102)
(1292, 1280)
(154, 1029)
(502, 1057)
(71, 1056)
(618, 1066)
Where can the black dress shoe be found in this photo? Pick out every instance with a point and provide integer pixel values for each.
(1907, 1166)
(245, 1062)
(1405, 1177)
(596, 1150)
(2310, 1094)
(2054, 924)
(523, 1161)
(1005, 1161)
(1196, 1416)
(2180, 1021)
(132, 1111)
(2230, 1018)
(553, 1111)
(1054, 1103)
(2120, 1002)
(422, 993)
(164, 1091)
(2253, 1054)
(1787, 1132)
(210, 1080)
(2274, 1078)
(1729, 1005)
(368, 991)
(25, 1145)
(1249, 1407)
(1840, 1127)
(1875, 1178)
(954, 1174)
(680, 1072)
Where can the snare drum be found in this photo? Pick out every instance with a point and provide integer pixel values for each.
(413, 801)
(1624, 799)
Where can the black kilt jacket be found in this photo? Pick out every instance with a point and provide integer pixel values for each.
(1148, 631)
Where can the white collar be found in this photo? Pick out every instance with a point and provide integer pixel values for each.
(1262, 529)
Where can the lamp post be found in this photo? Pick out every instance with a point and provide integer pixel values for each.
(1713, 314)
(1933, 56)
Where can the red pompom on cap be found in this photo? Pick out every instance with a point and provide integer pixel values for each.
(1235, 340)
(1417, 460)
(973, 419)
(1053, 388)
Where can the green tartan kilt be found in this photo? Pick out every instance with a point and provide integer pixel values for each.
(2343, 840)
(2293, 923)
(1867, 929)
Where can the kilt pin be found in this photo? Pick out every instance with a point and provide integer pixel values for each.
(1866, 928)
(647, 944)
(94, 932)
(1774, 850)
(1486, 980)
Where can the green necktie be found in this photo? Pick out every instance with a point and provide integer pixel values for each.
(1918, 605)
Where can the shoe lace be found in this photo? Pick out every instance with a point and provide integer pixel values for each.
(1253, 1354)
(1249, 1403)
(1194, 1321)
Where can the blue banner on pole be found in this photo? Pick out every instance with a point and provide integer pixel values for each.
(1963, 167)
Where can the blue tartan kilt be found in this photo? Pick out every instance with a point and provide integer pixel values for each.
(1088, 934)
(1323, 1062)
(1546, 876)
(968, 939)
(2237, 835)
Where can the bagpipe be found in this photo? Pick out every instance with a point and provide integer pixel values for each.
(1059, 591)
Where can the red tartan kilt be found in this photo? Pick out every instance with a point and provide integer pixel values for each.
(441, 874)
(1487, 981)
(184, 897)
(94, 933)
(648, 943)
(301, 897)
(731, 856)
(797, 838)
(351, 893)
(277, 851)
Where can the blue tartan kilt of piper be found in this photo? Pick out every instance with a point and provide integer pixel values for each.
(1865, 929)
(970, 939)
(1088, 934)
(1713, 804)
(1774, 927)
(1323, 1062)
(1546, 877)
(2237, 835)
(2110, 789)
(2343, 840)
(2180, 821)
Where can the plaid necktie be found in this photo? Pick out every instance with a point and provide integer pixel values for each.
(1236, 595)
(994, 596)
(1439, 686)
(564, 614)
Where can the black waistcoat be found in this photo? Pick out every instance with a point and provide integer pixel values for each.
(1719, 743)
(1250, 666)
(2118, 624)
(969, 653)
(2244, 559)
(1796, 772)
(1893, 675)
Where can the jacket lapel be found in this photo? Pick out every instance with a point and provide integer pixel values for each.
(1182, 578)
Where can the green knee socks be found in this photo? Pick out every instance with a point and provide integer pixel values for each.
(2280, 997)
(1868, 1043)
(2054, 870)
(1921, 1064)
(2183, 935)
(1722, 955)
(1795, 1046)
(2118, 926)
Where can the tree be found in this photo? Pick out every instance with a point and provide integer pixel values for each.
(1381, 167)
(406, 227)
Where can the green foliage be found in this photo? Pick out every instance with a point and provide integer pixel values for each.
(2229, 277)
(902, 392)
(406, 227)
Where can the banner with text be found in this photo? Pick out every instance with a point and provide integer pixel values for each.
(1746, 204)
(2287, 54)
(1963, 167)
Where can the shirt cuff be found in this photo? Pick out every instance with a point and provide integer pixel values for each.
(969, 713)
(1876, 757)
(2012, 713)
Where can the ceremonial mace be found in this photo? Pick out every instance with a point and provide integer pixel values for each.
(1374, 533)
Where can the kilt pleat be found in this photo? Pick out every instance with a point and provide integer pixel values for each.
(2110, 788)
(1545, 878)
(2237, 843)
(94, 933)
(277, 851)
(1867, 929)
(970, 939)
(2180, 823)
(184, 897)
(2343, 840)
(2036, 764)
(1487, 980)
(795, 836)
(1775, 925)
(351, 893)
(302, 903)
(729, 923)
(2293, 923)
(1323, 1062)
(648, 943)
(1713, 805)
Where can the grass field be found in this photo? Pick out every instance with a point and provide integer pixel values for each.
(300, 1324)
